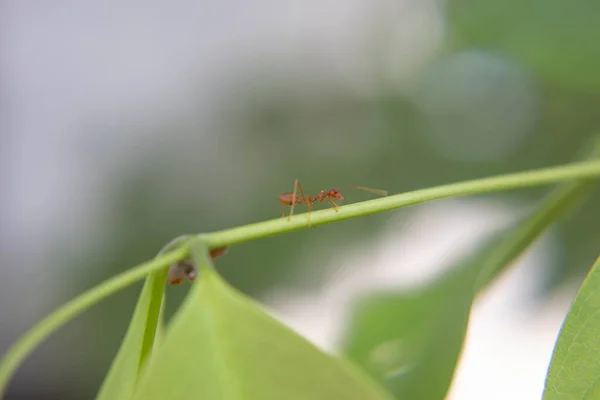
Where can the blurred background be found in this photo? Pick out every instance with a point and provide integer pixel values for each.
(125, 124)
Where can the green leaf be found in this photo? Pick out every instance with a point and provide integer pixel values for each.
(574, 373)
(411, 342)
(220, 345)
(122, 377)
(160, 327)
(556, 39)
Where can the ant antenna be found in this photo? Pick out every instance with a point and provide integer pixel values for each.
(375, 191)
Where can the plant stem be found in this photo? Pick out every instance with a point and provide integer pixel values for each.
(580, 170)
(19, 351)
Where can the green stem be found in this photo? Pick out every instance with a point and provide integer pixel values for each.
(19, 351)
(546, 176)
(13, 358)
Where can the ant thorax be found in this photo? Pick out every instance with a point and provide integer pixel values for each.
(322, 196)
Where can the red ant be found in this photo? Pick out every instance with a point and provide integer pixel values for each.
(292, 198)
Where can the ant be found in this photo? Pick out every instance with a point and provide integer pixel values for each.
(185, 269)
(292, 198)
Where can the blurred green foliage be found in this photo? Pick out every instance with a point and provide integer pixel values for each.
(557, 40)
(411, 340)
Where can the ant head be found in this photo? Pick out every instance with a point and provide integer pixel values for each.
(336, 194)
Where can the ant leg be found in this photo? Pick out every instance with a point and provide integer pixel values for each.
(303, 200)
(335, 206)
(296, 183)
